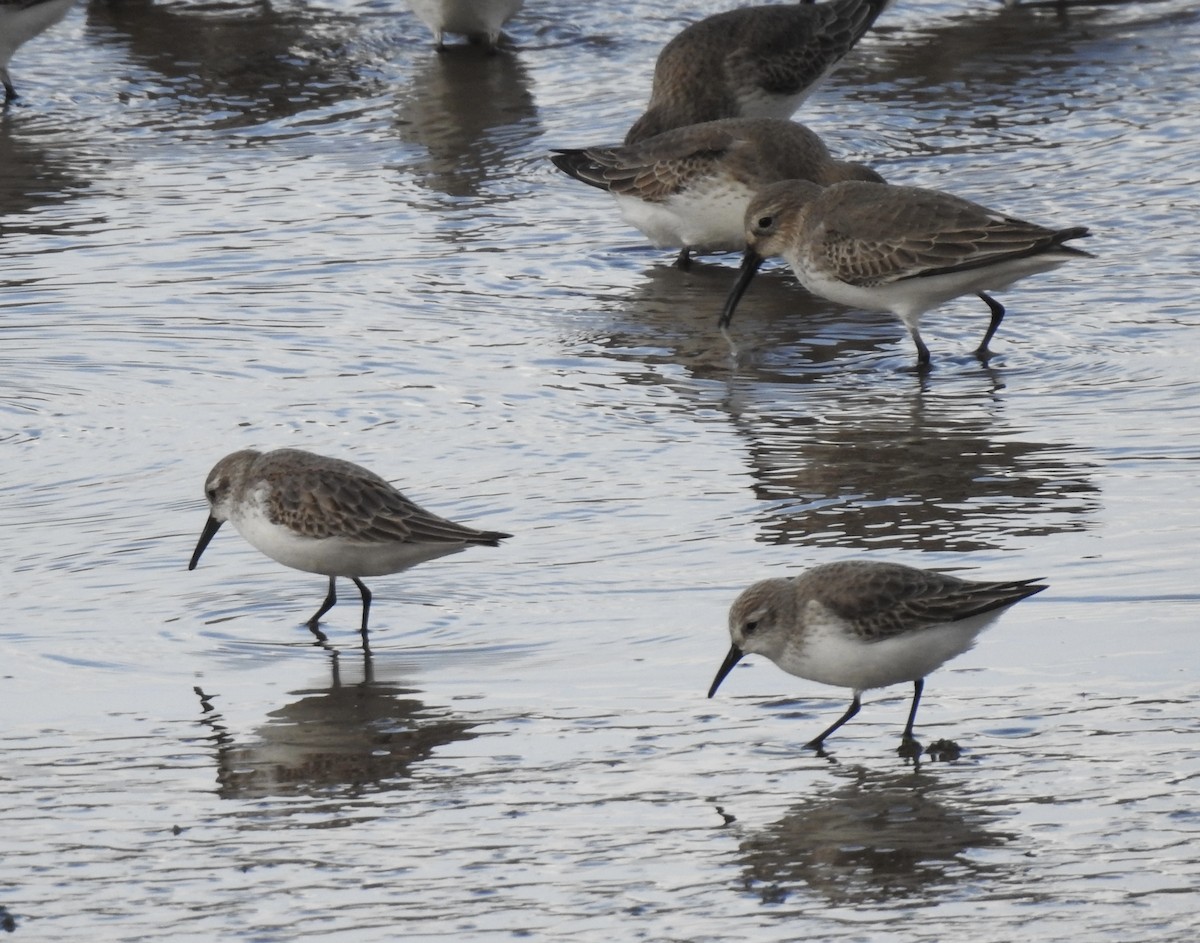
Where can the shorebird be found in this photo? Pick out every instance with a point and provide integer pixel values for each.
(689, 188)
(899, 249)
(862, 624)
(324, 515)
(479, 20)
(752, 62)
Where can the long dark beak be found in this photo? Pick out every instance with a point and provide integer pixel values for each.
(734, 656)
(211, 526)
(750, 263)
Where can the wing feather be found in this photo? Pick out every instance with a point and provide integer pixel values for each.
(894, 597)
(325, 497)
(879, 235)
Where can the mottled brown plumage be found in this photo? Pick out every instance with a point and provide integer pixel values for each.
(758, 61)
(326, 515)
(883, 600)
(689, 188)
(899, 249)
(322, 497)
(864, 624)
(753, 151)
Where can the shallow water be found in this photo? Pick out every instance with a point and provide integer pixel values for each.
(250, 225)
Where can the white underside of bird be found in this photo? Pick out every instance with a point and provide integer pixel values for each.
(708, 217)
(330, 556)
(465, 17)
(909, 298)
(831, 653)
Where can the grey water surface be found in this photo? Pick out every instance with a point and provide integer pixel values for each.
(263, 224)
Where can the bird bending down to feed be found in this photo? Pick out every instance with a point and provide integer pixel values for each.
(689, 188)
(899, 249)
(752, 62)
(324, 515)
(861, 624)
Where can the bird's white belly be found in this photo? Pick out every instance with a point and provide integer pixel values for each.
(830, 656)
(710, 218)
(335, 556)
(909, 298)
(469, 17)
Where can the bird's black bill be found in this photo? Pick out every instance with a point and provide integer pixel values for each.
(211, 526)
(750, 263)
(734, 656)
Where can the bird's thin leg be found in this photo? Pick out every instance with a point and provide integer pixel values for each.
(683, 261)
(908, 745)
(997, 317)
(10, 93)
(922, 350)
(366, 599)
(328, 604)
(817, 742)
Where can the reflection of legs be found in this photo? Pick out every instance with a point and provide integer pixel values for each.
(817, 742)
(366, 599)
(997, 317)
(325, 607)
(909, 746)
(684, 259)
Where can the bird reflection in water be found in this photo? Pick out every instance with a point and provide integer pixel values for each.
(472, 115)
(873, 839)
(349, 739)
(837, 454)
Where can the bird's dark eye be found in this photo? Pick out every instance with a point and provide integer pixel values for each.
(750, 627)
(765, 222)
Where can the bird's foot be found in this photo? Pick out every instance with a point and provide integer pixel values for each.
(322, 638)
(818, 747)
(944, 751)
(909, 749)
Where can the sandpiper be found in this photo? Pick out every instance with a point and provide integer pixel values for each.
(689, 188)
(752, 62)
(479, 20)
(899, 249)
(863, 624)
(329, 516)
(20, 21)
